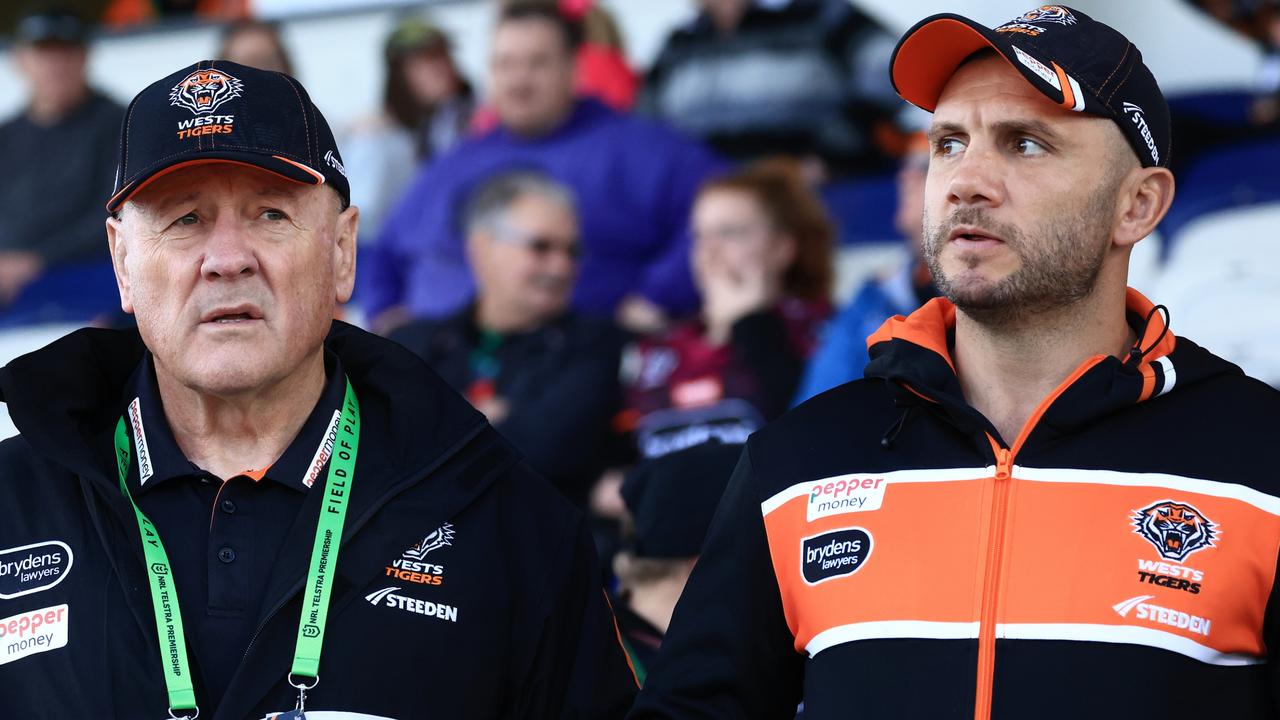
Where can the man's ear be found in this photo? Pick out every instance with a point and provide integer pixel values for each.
(1144, 200)
(119, 249)
(344, 250)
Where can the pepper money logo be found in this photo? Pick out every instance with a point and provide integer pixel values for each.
(203, 91)
(1176, 529)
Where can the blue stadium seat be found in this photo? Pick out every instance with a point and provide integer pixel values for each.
(1228, 177)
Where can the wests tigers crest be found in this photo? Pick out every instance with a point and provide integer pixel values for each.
(1176, 529)
(203, 91)
(1049, 13)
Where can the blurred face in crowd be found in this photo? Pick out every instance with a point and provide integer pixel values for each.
(725, 14)
(430, 76)
(55, 75)
(232, 273)
(909, 217)
(1021, 195)
(257, 47)
(526, 262)
(531, 76)
(734, 238)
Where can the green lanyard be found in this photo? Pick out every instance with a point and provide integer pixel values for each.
(324, 558)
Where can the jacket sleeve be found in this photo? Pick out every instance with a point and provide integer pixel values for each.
(419, 239)
(580, 670)
(728, 652)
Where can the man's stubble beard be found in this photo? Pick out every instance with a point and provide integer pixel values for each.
(1059, 267)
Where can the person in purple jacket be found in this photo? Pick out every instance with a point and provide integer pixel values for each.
(635, 182)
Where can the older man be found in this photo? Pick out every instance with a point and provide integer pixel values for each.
(1025, 510)
(544, 375)
(634, 182)
(245, 508)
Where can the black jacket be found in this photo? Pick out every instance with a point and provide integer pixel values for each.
(882, 552)
(521, 626)
(560, 383)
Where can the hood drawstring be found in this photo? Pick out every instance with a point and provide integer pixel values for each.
(892, 433)
(1136, 353)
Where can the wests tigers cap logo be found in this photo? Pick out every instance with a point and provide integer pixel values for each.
(203, 91)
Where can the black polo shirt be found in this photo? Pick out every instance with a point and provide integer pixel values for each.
(223, 537)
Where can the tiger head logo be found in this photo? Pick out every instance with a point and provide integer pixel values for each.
(203, 91)
(1048, 14)
(436, 539)
(1176, 529)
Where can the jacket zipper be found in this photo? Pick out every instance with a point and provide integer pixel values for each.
(991, 584)
(984, 694)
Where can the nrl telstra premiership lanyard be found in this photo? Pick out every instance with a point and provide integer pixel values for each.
(315, 604)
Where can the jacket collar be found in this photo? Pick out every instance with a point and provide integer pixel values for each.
(296, 468)
(914, 355)
(66, 398)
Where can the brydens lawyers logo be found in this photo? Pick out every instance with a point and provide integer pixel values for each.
(834, 554)
(203, 91)
(436, 539)
(1176, 529)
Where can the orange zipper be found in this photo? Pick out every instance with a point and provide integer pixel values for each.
(983, 697)
(991, 584)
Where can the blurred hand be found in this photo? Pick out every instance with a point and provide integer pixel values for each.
(17, 269)
(495, 409)
(639, 315)
(606, 495)
(730, 294)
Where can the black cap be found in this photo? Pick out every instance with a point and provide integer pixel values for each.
(1076, 61)
(52, 26)
(672, 498)
(220, 111)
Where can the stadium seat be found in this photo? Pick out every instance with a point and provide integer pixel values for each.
(1221, 287)
(1234, 176)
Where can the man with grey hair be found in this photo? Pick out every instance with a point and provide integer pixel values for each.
(544, 375)
(244, 509)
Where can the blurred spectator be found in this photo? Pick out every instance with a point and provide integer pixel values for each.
(634, 182)
(842, 353)
(808, 78)
(255, 43)
(762, 259)
(670, 502)
(545, 376)
(603, 71)
(131, 12)
(62, 148)
(426, 108)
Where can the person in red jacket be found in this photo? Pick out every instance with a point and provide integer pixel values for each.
(1039, 502)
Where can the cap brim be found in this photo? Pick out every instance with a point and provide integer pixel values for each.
(929, 54)
(276, 164)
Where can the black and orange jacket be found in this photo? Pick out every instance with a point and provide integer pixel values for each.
(883, 553)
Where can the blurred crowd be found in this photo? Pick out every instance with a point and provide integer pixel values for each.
(627, 270)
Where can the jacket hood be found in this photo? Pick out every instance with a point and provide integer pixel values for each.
(65, 400)
(913, 353)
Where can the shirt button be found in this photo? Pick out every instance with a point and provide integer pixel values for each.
(205, 481)
(228, 507)
(227, 555)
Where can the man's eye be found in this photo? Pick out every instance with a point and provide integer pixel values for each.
(273, 214)
(188, 219)
(949, 146)
(1027, 146)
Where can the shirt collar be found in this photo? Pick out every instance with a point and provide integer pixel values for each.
(156, 457)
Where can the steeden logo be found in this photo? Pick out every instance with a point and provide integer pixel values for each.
(1155, 614)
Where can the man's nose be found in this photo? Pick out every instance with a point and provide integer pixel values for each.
(228, 251)
(976, 179)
